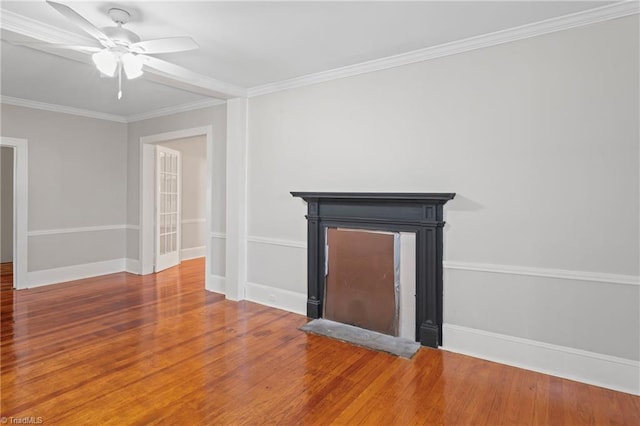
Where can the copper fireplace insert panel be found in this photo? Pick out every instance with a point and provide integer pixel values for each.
(361, 280)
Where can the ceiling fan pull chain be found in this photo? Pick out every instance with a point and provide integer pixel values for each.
(119, 80)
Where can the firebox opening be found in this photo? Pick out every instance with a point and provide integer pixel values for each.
(370, 280)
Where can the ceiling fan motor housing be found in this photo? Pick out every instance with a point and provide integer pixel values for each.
(119, 35)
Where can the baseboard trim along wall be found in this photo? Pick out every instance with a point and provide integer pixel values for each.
(588, 367)
(74, 272)
(192, 252)
(276, 298)
(216, 284)
(90, 270)
(132, 266)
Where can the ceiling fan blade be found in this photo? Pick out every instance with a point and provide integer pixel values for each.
(165, 45)
(84, 49)
(169, 68)
(81, 22)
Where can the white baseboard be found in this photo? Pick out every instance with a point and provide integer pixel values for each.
(74, 272)
(132, 266)
(192, 252)
(276, 298)
(216, 283)
(583, 366)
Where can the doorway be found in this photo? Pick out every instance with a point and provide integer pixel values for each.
(6, 216)
(17, 233)
(148, 155)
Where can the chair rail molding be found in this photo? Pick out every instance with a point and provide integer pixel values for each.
(531, 271)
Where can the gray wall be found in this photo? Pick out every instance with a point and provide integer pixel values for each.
(83, 173)
(194, 186)
(6, 209)
(216, 117)
(539, 139)
(77, 179)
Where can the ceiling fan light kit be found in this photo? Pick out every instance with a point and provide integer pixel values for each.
(123, 49)
(107, 61)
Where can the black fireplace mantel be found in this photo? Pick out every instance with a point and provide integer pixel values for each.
(420, 213)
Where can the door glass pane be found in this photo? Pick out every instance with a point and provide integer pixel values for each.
(168, 207)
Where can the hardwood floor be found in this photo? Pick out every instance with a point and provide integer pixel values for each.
(125, 349)
(6, 276)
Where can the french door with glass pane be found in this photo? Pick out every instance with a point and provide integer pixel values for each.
(168, 186)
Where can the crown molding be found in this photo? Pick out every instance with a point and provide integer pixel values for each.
(587, 17)
(181, 78)
(25, 26)
(175, 109)
(27, 103)
(162, 112)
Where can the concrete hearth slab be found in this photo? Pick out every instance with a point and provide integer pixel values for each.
(398, 346)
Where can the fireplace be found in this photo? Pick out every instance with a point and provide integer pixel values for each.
(418, 213)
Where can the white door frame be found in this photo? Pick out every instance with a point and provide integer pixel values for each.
(147, 193)
(20, 209)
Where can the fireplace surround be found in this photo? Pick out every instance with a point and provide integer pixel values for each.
(421, 213)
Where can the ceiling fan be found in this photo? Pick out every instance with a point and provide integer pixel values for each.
(122, 49)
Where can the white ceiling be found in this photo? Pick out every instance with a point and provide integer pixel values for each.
(243, 45)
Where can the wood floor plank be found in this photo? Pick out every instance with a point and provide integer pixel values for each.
(6, 276)
(159, 349)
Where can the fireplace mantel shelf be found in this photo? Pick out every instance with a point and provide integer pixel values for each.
(421, 213)
(379, 196)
